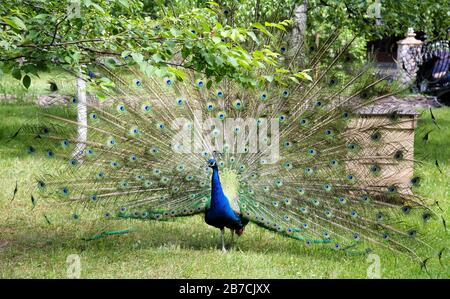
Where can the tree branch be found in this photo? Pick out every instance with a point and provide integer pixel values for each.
(100, 51)
(12, 58)
(81, 41)
(56, 29)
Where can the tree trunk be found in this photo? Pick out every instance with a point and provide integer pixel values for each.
(81, 117)
(299, 28)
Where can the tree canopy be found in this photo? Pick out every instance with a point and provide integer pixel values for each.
(38, 34)
(229, 38)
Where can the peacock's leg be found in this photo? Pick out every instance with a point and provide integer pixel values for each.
(222, 235)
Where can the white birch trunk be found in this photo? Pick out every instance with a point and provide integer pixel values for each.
(299, 27)
(81, 117)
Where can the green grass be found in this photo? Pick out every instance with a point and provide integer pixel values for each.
(39, 86)
(187, 247)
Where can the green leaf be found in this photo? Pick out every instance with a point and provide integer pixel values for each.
(294, 79)
(26, 81)
(180, 74)
(279, 26)
(98, 7)
(216, 39)
(212, 3)
(124, 3)
(262, 28)
(232, 61)
(303, 75)
(253, 36)
(157, 57)
(15, 22)
(138, 57)
(17, 74)
(268, 78)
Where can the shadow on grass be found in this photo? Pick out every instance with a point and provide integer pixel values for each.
(176, 235)
(438, 131)
(19, 122)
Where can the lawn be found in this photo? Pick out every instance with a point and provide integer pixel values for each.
(30, 247)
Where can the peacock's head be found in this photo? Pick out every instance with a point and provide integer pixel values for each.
(212, 163)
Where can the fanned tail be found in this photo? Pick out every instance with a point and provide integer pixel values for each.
(305, 163)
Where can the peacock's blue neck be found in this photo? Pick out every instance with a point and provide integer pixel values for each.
(218, 199)
(220, 213)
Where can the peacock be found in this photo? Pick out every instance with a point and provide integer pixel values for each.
(294, 158)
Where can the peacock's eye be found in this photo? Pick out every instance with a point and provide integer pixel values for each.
(426, 216)
(392, 189)
(412, 233)
(376, 136)
(380, 216)
(398, 155)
